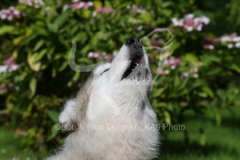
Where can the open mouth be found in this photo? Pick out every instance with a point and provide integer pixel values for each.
(134, 63)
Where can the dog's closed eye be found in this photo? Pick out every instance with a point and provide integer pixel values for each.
(104, 71)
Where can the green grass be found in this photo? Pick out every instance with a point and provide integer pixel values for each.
(10, 146)
(212, 143)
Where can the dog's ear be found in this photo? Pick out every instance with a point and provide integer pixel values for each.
(67, 118)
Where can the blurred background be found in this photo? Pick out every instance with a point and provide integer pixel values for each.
(196, 91)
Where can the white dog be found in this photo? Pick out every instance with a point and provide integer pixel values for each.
(114, 118)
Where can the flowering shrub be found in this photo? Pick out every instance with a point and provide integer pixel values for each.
(230, 41)
(80, 5)
(172, 62)
(34, 3)
(10, 13)
(8, 65)
(194, 71)
(191, 23)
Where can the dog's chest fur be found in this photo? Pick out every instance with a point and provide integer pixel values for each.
(115, 136)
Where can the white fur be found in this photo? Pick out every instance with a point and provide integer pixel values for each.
(114, 116)
(69, 113)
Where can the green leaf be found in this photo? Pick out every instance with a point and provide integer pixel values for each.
(208, 91)
(33, 86)
(32, 63)
(39, 56)
(17, 40)
(63, 66)
(87, 13)
(234, 67)
(166, 4)
(202, 139)
(218, 119)
(53, 115)
(54, 132)
(167, 117)
(40, 29)
(167, 12)
(176, 80)
(60, 20)
(6, 29)
(221, 94)
(158, 92)
(50, 53)
(132, 20)
(81, 36)
(146, 17)
(183, 92)
(97, 4)
(190, 57)
(183, 83)
(38, 45)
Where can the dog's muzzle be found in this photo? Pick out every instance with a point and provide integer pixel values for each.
(137, 69)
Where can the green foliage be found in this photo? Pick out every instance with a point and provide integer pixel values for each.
(41, 39)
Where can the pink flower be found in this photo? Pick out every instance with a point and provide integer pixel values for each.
(190, 23)
(193, 73)
(13, 67)
(95, 55)
(133, 8)
(237, 45)
(208, 46)
(216, 40)
(205, 20)
(189, 16)
(81, 5)
(34, 3)
(3, 68)
(100, 56)
(172, 62)
(230, 38)
(9, 13)
(156, 42)
(9, 61)
(162, 72)
(230, 45)
(209, 40)
(3, 16)
(140, 28)
(177, 22)
(8, 65)
(104, 10)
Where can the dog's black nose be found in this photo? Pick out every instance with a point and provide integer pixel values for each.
(134, 42)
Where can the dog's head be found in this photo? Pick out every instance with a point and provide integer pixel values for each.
(125, 83)
(129, 67)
